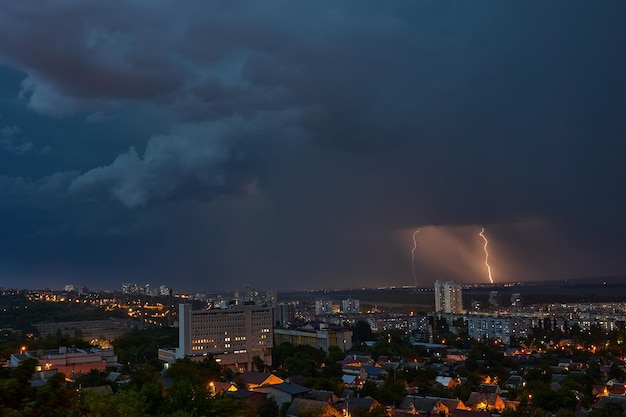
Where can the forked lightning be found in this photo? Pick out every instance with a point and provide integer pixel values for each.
(482, 234)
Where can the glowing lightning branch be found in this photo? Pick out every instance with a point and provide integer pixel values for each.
(413, 256)
(482, 234)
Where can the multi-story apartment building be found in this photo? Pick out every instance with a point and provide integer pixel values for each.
(448, 297)
(285, 314)
(323, 307)
(490, 328)
(350, 306)
(233, 336)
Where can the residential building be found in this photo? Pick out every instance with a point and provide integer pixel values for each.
(350, 306)
(323, 307)
(285, 392)
(499, 328)
(448, 297)
(285, 314)
(516, 300)
(495, 299)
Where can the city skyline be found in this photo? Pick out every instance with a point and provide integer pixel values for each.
(298, 146)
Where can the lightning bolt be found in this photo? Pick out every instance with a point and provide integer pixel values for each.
(413, 256)
(482, 234)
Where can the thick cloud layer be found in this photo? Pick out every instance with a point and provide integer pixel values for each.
(208, 144)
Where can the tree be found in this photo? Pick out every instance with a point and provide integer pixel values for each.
(609, 409)
(200, 373)
(540, 412)
(335, 354)
(268, 408)
(392, 392)
(378, 411)
(519, 412)
(565, 413)
(226, 405)
(305, 360)
(360, 411)
(259, 364)
(616, 372)
(361, 332)
(124, 403)
(17, 390)
(93, 378)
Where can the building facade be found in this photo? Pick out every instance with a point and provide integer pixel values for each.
(322, 336)
(285, 314)
(448, 297)
(70, 361)
(234, 336)
(323, 307)
(350, 306)
(502, 329)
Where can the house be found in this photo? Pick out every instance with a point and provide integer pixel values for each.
(455, 355)
(616, 399)
(454, 404)
(565, 363)
(447, 381)
(119, 378)
(347, 406)
(515, 381)
(357, 360)
(220, 387)
(285, 392)
(299, 405)
(422, 405)
(352, 380)
(252, 398)
(481, 401)
(251, 380)
(599, 390)
(511, 405)
(489, 388)
(364, 372)
(618, 388)
(321, 395)
(374, 372)
(470, 413)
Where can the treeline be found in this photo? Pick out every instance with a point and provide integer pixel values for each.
(19, 313)
(145, 395)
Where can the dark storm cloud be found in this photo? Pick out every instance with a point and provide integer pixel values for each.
(307, 140)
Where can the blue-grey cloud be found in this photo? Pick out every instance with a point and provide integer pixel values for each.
(283, 140)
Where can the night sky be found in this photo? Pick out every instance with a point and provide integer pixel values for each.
(204, 145)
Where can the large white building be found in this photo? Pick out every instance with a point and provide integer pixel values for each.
(448, 297)
(233, 336)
